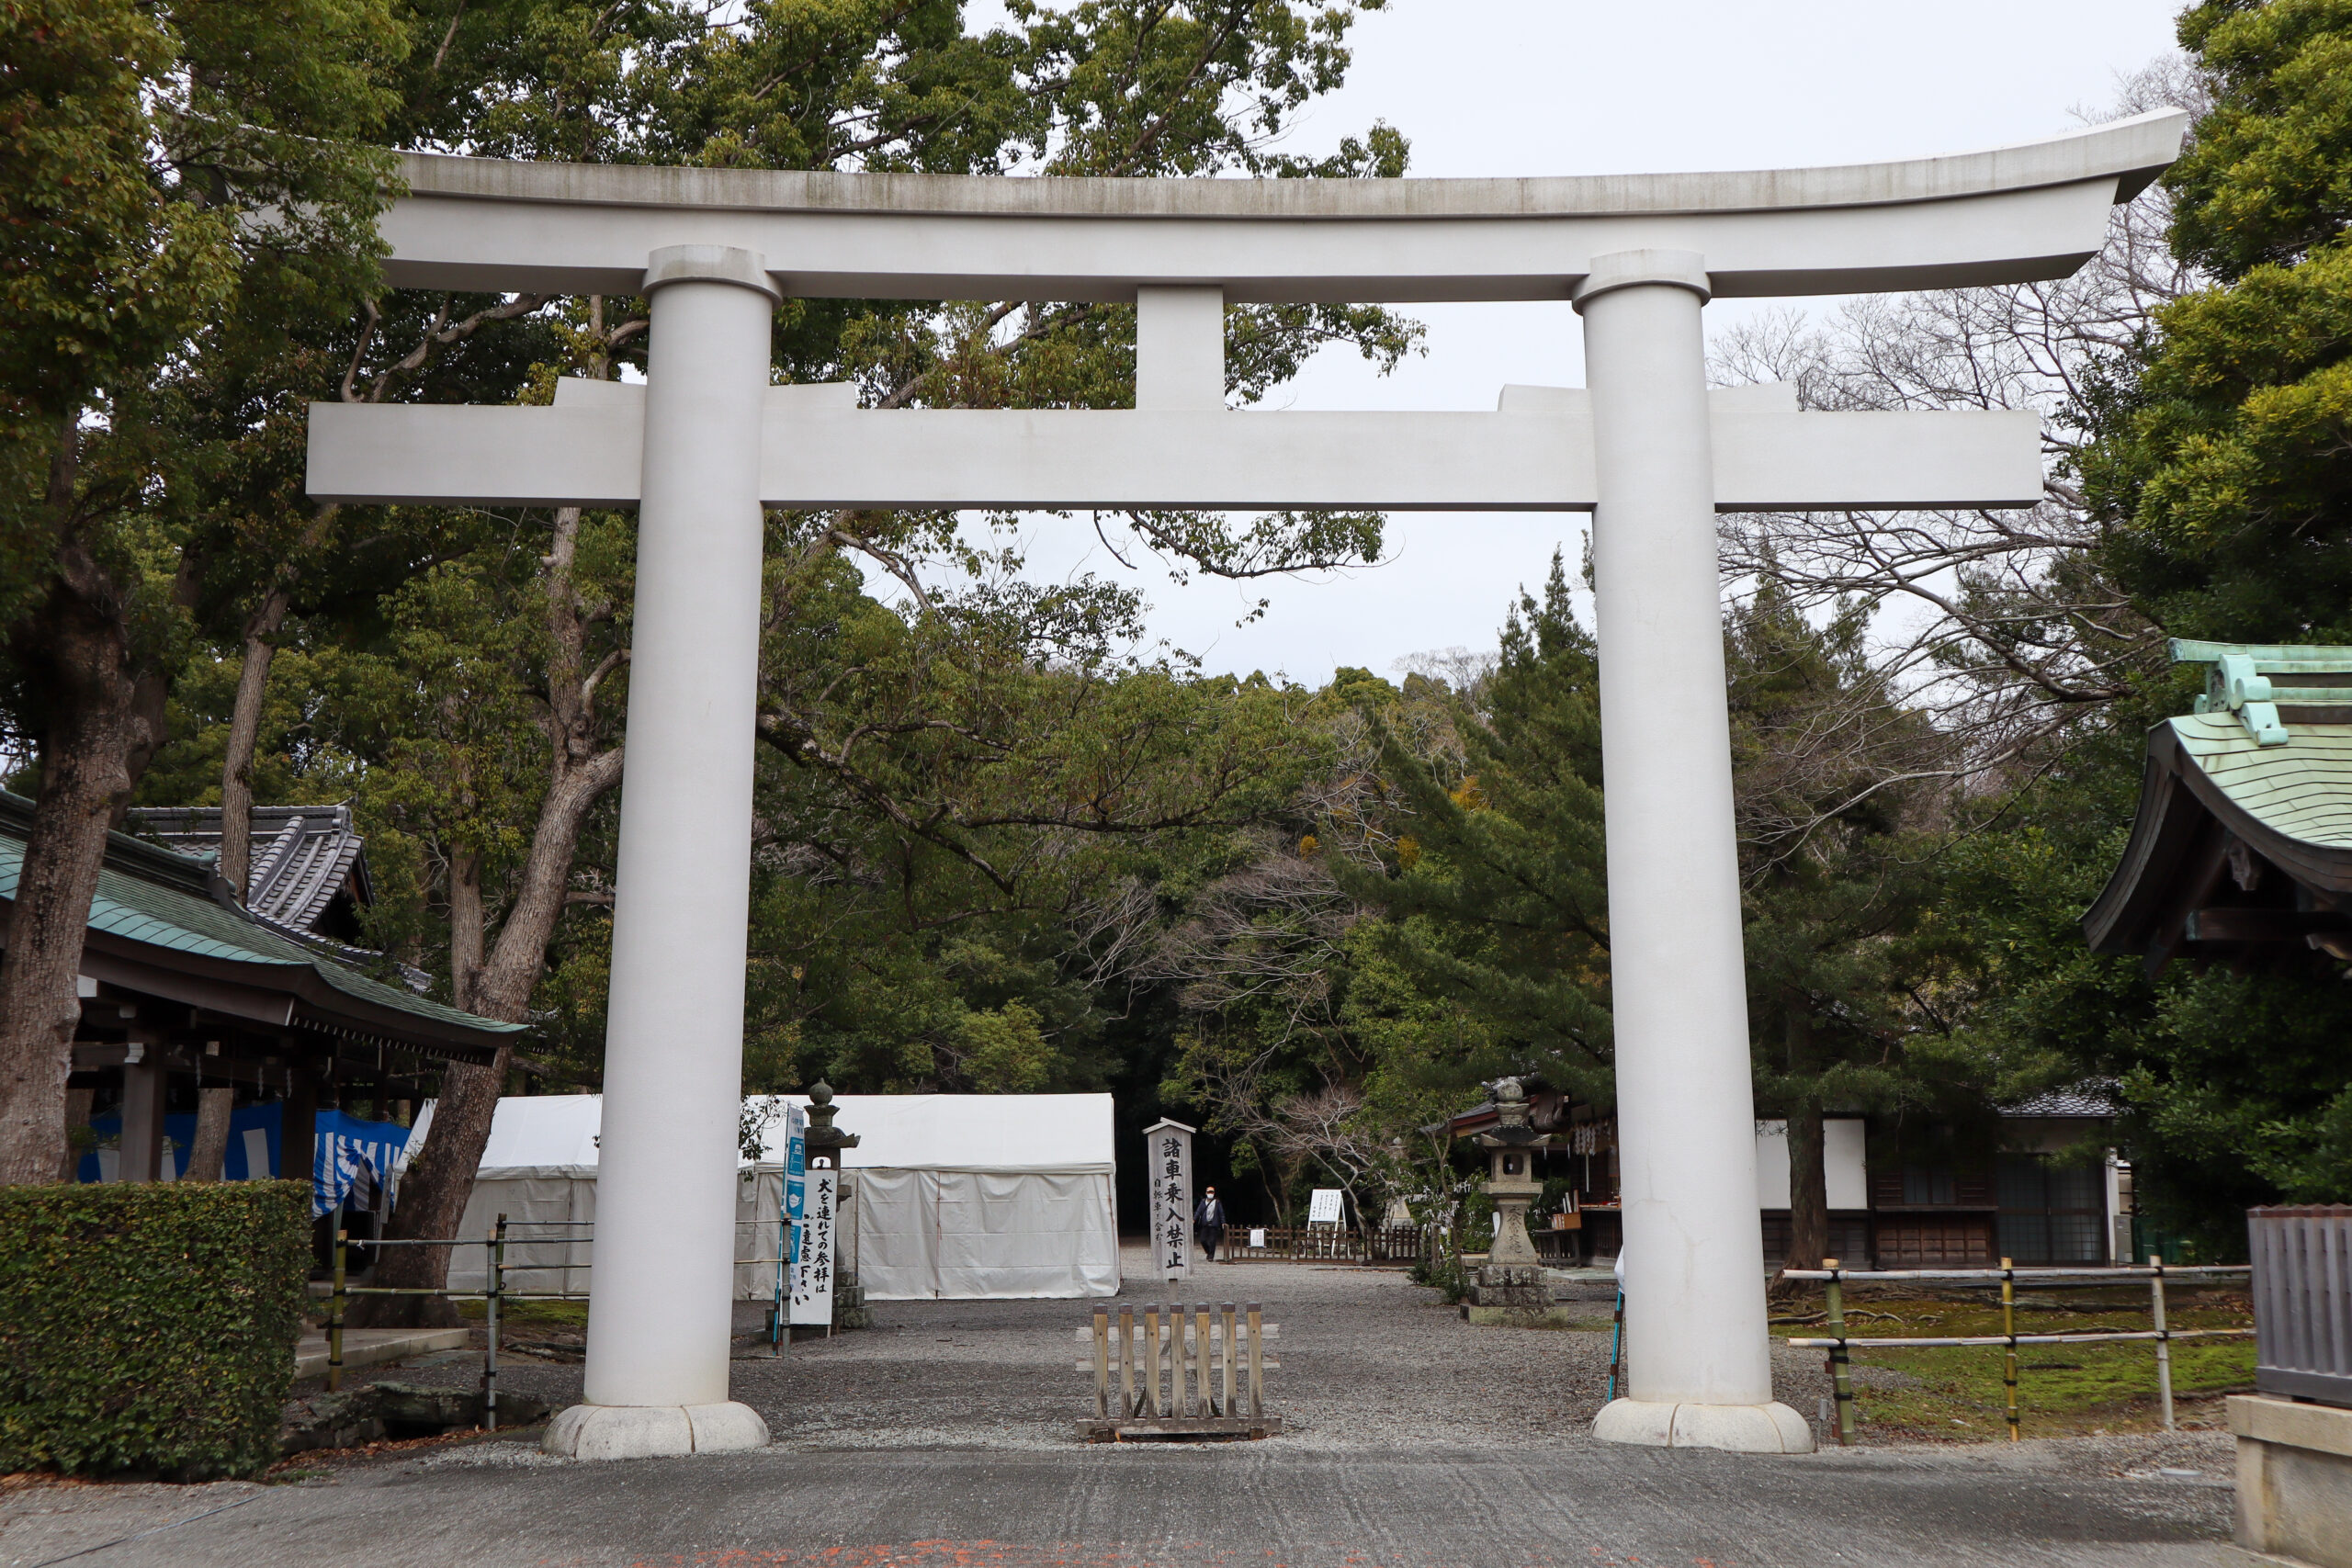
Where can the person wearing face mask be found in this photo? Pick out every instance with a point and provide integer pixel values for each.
(1208, 1224)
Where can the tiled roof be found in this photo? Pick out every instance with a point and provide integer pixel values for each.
(155, 898)
(2303, 789)
(302, 857)
(2094, 1099)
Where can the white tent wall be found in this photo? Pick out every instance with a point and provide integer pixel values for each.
(553, 1259)
(970, 1234)
(953, 1197)
(548, 1248)
(898, 1235)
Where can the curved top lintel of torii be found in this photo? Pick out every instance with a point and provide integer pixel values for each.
(2009, 214)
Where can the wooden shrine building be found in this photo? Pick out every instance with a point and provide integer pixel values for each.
(182, 988)
(2241, 849)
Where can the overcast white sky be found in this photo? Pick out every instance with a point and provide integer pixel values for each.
(1580, 86)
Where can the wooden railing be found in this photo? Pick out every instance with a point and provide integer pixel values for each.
(1382, 1244)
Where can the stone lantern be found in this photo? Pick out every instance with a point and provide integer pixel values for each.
(1512, 1276)
(827, 1142)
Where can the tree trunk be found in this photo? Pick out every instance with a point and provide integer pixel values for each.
(433, 1199)
(209, 1153)
(465, 927)
(498, 984)
(1808, 1173)
(434, 1193)
(83, 780)
(77, 1119)
(96, 722)
(245, 734)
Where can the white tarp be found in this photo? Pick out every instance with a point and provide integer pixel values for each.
(540, 1170)
(999, 1133)
(1842, 1140)
(959, 1196)
(965, 1197)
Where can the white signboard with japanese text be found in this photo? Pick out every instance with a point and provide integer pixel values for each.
(812, 1264)
(1168, 1147)
(1323, 1207)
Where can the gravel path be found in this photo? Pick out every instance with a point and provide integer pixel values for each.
(1369, 1361)
(1414, 1440)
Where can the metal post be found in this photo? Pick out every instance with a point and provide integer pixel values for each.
(1616, 1343)
(1840, 1372)
(782, 1326)
(334, 1311)
(2164, 1336)
(2010, 1328)
(490, 1344)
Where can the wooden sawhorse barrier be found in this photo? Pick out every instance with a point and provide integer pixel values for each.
(1203, 1394)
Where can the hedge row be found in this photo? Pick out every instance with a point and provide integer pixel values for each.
(149, 1328)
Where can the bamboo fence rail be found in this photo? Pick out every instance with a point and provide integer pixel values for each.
(1841, 1344)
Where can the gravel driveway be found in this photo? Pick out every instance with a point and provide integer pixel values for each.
(1414, 1440)
(1369, 1361)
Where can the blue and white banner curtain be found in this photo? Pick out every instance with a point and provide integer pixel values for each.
(351, 1163)
(350, 1158)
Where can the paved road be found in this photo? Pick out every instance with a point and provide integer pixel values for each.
(1416, 1440)
(499, 1505)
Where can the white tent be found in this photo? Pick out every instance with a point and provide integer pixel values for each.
(540, 1170)
(956, 1197)
(963, 1197)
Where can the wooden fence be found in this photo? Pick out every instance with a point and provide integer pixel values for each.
(1283, 1244)
(1203, 1394)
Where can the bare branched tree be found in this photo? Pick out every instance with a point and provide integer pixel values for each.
(1997, 624)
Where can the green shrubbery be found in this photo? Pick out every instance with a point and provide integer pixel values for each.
(149, 1328)
(1443, 1272)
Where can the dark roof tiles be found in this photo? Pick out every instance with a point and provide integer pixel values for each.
(301, 856)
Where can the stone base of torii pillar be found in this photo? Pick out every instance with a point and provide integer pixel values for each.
(654, 1431)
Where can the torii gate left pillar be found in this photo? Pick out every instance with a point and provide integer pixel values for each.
(659, 1328)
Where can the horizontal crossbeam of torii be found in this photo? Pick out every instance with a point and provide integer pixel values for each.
(707, 442)
(819, 450)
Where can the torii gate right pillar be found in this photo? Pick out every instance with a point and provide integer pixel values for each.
(1696, 1341)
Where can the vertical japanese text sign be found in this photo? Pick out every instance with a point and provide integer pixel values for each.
(1168, 1165)
(812, 1264)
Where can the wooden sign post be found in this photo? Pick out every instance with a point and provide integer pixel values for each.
(1168, 1157)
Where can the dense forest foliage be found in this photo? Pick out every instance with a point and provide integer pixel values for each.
(1003, 840)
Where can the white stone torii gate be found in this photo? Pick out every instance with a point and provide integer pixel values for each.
(706, 443)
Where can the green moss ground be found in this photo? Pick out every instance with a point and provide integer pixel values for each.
(535, 1315)
(1957, 1394)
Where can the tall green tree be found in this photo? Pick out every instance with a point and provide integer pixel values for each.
(2220, 478)
(1112, 86)
(1496, 901)
(1496, 893)
(1837, 878)
(182, 183)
